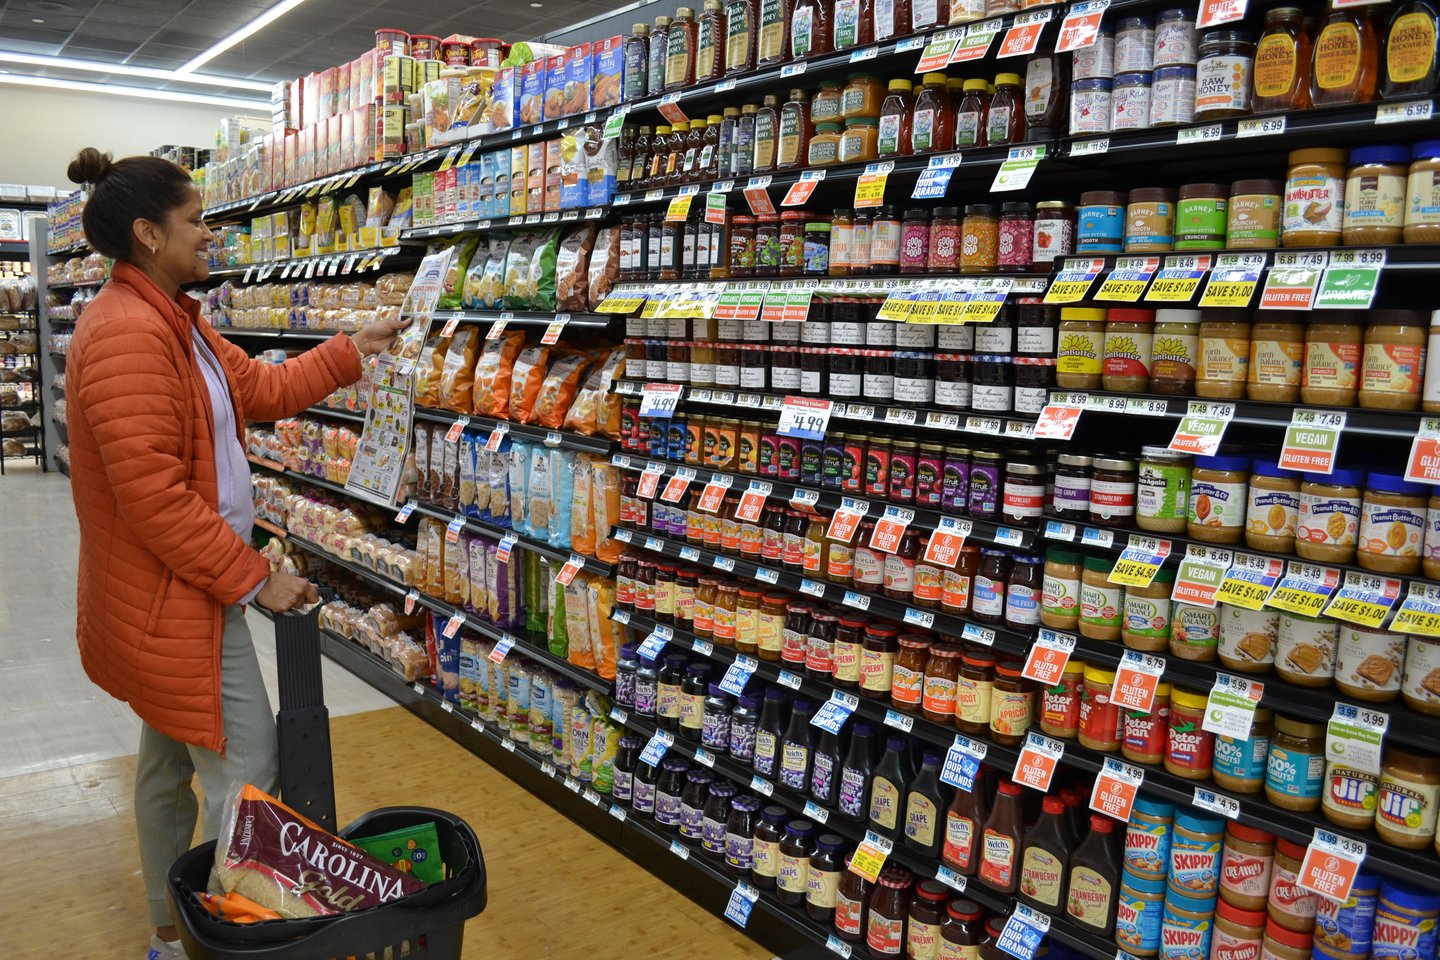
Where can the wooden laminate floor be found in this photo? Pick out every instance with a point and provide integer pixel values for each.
(71, 887)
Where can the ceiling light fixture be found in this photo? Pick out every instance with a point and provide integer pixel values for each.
(121, 69)
(37, 19)
(257, 107)
(254, 26)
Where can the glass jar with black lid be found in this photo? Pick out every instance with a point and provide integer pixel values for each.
(846, 374)
(997, 336)
(814, 371)
(879, 376)
(992, 384)
(1035, 326)
(754, 366)
(1071, 497)
(1034, 379)
(914, 378)
(952, 381)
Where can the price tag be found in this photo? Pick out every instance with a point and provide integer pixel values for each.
(715, 207)
(801, 189)
(453, 625)
(1420, 611)
(1292, 280)
(1021, 938)
(1233, 281)
(934, 180)
(937, 52)
(453, 528)
(411, 598)
(655, 750)
(962, 763)
(985, 300)
(1423, 464)
(869, 856)
(618, 812)
(870, 186)
(497, 655)
(1331, 864)
(900, 415)
(1193, 135)
(742, 901)
(758, 198)
(804, 500)
(1081, 28)
(977, 40)
(805, 417)
(793, 69)
(834, 712)
(1200, 575)
(567, 572)
(679, 208)
(1019, 166)
(669, 108)
(690, 554)
(1202, 428)
(497, 329)
(1035, 767)
(1364, 598)
(947, 540)
(660, 399)
(1416, 110)
(978, 634)
(1217, 803)
(1136, 680)
(677, 485)
(1055, 530)
(404, 513)
(752, 501)
(1074, 280)
(1304, 589)
(890, 529)
(1350, 281)
(1249, 581)
(788, 679)
(1230, 709)
(1178, 280)
(1355, 737)
(1129, 279)
(837, 946)
(1023, 37)
(456, 428)
(1140, 561)
(1260, 127)
(847, 519)
(1045, 663)
(923, 619)
(1215, 12)
(1115, 788)
(723, 563)
(986, 425)
(554, 329)
(703, 647)
(679, 849)
(713, 495)
(1311, 440)
(497, 436)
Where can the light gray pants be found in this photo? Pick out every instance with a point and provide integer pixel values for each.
(165, 804)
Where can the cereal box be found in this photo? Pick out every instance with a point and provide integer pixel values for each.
(607, 73)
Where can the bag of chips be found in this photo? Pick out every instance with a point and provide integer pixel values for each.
(428, 370)
(452, 294)
(541, 288)
(572, 278)
(528, 375)
(558, 390)
(457, 377)
(493, 372)
(604, 266)
(595, 410)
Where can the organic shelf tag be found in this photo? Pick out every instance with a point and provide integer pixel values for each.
(890, 529)
(1311, 440)
(1178, 280)
(1304, 589)
(752, 501)
(1115, 788)
(1233, 281)
(1249, 581)
(1060, 416)
(1074, 280)
(934, 180)
(1019, 166)
(834, 712)
(946, 542)
(1364, 598)
(713, 496)
(1230, 709)
(738, 674)
(962, 763)
(870, 186)
(1355, 737)
(846, 520)
(869, 856)
(1423, 465)
(1350, 281)
(1331, 864)
(1420, 611)
(1202, 428)
(742, 901)
(1023, 37)
(1128, 280)
(1080, 29)
(1140, 561)
(805, 417)
(1200, 575)
(714, 207)
(1045, 663)
(1292, 280)
(1136, 680)
(1035, 767)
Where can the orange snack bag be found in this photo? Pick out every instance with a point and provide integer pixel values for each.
(559, 387)
(493, 373)
(528, 375)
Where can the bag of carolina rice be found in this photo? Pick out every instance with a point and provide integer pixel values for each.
(271, 855)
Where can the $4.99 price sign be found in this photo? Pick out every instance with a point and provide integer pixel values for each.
(805, 417)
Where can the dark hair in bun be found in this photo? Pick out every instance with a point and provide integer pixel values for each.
(123, 191)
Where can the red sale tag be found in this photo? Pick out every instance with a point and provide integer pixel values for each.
(801, 189)
(497, 437)
(453, 625)
(678, 484)
(1136, 680)
(1081, 27)
(449, 329)
(649, 481)
(456, 428)
(714, 493)
(670, 109)
(568, 571)
(411, 598)
(1115, 788)
(1330, 865)
(1035, 767)
(757, 196)
(555, 328)
(846, 520)
(1047, 658)
(752, 501)
(947, 541)
(1058, 419)
(1215, 12)
(890, 529)
(1023, 37)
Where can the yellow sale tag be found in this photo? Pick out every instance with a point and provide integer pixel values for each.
(679, 208)
(1121, 290)
(1242, 593)
(896, 307)
(1229, 293)
(1304, 589)
(1068, 291)
(1423, 622)
(981, 311)
(1133, 573)
(870, 187)
(867, 861)
(1364, 612)
(951, 310)
(1173, 289)
(923, 311)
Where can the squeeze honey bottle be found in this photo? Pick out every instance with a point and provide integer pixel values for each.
(710, 44)
(740, 33)
(1346, 58)
(680, 50)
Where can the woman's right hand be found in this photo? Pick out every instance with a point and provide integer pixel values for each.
(284, 591)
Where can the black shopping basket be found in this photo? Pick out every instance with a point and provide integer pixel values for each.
(427, 924)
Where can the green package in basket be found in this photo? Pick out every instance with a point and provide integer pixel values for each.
(412, 850)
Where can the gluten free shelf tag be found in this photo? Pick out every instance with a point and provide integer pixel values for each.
(1292, 280)
(845, 521)
(1423, 465)
(1045, 663)
(1040, 755)
(947, 541)
(1080, 29)
(1023, 37)
(1230, 709)
(1355, 737)
(713, 496)
(1200, 575)
(1060, 416)
(1115, 788)
(890, 529)
(752, 501)
(1312, 440)
(1331, 864)
(1136, 680)
(1202, 428)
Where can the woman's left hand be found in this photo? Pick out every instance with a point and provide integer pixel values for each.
(378, 335)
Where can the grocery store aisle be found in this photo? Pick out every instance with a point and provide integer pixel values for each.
(51, 715)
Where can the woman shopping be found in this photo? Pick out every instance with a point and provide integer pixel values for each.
(162, 493)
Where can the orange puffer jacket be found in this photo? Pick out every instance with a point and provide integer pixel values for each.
(158, 565)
